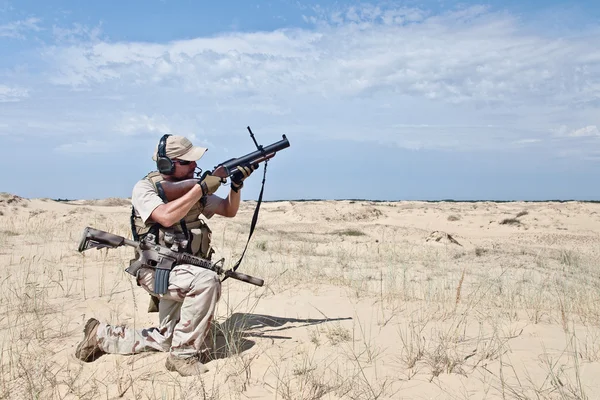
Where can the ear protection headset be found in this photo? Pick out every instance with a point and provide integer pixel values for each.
(164, 164)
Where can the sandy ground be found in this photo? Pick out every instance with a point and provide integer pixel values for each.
(362, 300)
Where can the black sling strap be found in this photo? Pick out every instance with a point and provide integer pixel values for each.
(254, 220)
(134, 234)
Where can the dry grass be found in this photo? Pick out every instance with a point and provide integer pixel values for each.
(510, 221)
(364, 313)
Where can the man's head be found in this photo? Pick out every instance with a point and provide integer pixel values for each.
(176, 157)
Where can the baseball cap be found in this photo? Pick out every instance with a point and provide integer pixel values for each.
(181, 148)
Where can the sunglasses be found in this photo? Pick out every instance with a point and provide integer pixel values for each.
(184, 162)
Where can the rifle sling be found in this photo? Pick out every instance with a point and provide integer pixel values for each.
(254, 220)
(134, 234)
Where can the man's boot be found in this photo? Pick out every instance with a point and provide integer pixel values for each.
(89, 348)
(185, 366)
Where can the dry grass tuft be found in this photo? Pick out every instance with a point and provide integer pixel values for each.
(510, 221)
(350, 232)
(514, 314)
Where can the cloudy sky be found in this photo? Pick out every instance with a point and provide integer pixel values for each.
(382, 100)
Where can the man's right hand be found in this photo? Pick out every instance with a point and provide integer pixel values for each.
(210, 184)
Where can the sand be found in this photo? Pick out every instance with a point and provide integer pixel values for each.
(362, 300)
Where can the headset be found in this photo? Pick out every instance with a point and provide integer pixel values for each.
(164, 164)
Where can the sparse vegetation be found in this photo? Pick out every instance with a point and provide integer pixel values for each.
(510, 221)
(453, 218)
(514, 221)
(479, 251)
(350, 232)
(338, 317)
(338, 334)
(569, 258)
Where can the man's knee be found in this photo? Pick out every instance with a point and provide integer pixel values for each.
(206, 277)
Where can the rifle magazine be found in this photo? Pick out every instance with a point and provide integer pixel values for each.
(161, 280)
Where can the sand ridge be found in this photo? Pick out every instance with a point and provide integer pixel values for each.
(362, 300)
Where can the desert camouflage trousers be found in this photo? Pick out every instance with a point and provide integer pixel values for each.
(185, 312)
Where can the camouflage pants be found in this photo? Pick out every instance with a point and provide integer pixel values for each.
(185, 314)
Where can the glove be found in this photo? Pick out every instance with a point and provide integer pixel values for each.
(210, 184)
(237, 178)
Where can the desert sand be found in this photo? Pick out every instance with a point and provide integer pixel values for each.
(362, 300)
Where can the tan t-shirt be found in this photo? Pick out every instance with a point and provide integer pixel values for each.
(145, 200)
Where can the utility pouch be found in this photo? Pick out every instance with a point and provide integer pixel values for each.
(200, 241)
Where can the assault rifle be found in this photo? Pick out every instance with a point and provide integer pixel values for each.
(153, 255)
(174, 190)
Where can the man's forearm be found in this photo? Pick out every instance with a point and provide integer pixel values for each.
(233, 203)
(172, 212)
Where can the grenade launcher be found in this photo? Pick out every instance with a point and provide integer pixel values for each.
(174, 190)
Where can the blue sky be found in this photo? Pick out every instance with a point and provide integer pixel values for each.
(381, 100)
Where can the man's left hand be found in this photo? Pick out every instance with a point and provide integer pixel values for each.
(238, 177)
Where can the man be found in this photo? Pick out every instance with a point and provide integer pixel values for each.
(187, 306)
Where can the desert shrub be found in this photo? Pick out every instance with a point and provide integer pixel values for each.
(522, 213)
(338, 334)
(479, 251)
(570, 258)
(453, 218)
(510, 221)
(350, 232)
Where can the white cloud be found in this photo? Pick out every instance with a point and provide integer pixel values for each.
(157, 125)
(18, 29)
(140, 124)
(85, 147)
(76, 33)
(466, 56)
(466, 79)
(591, 130)
(527, 141)
(10, 94)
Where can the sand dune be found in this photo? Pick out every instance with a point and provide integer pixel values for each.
(363, 300)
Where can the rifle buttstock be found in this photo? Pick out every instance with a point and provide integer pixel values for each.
(95, 238)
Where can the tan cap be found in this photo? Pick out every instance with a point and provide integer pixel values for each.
(181, 148)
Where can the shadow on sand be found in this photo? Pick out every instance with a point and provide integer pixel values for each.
(232, 335)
